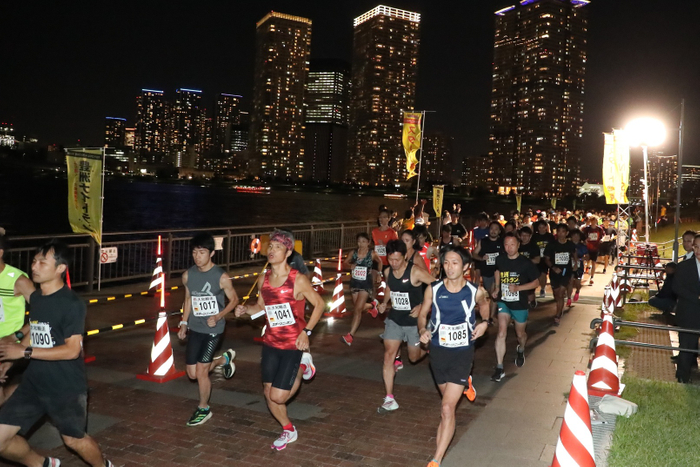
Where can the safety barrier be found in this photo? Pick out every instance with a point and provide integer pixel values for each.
(619, 322)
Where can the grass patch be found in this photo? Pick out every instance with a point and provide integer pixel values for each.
(667, 233)
(664, 431)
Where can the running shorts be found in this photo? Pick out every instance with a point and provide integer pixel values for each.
(451, 365)
(557, 280)
(280, 366)
(520, 316)
(201, 347)
(396, 332)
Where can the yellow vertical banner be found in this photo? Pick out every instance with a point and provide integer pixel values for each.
(553, 202)
(438, 196)
(518, 202)
(616, 167)
(85, 191)
(411, 140)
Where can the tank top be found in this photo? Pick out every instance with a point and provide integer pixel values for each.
(404, 297)
(452, 319)
(284, 313)
(361, 277)
(11, 308)
(206, 299)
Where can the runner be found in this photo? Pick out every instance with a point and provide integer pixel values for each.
(452, 320)
(582, 255)
(458, 229)
(285, 355)
(408, 237)
(424, 245)
(15, 290)
(361, 285)
(204, 315)
(607, 245)
(593, 235)
(403, 287)
(515, 276)
(479, 232)
(382, 235)
(542, 237)
(54, 383)
(487, 250)
(531, 251)
(560, 255)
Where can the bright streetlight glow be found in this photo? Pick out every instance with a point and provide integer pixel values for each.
(645, 132)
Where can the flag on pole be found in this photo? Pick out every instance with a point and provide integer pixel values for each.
(518, 202)
(616, 167)
(554, 203)
(438, 196)
(84, 168)
(411, 140)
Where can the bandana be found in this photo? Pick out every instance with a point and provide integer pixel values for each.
(283, 239)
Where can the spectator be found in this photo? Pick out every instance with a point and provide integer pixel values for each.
(665, 299)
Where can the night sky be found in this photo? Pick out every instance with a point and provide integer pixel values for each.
(66, 66)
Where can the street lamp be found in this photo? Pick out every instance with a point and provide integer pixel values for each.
(645, 132)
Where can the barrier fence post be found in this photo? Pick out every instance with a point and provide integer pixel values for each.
(227, 250)
(342, 235)
(91, 265)
(169, 257)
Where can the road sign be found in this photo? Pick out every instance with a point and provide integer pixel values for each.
(218, 243)
(108, 255)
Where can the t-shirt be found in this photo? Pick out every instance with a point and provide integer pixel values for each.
(458, 230)
(542, 240)
(490, 250)
(380, 239)
(561, 256)
(52, 319)
(530, 250)
(480, 233)
(516, 271)
(609, 233)
(206, 299)
(594, 235)
(296, 261)
(581, 252)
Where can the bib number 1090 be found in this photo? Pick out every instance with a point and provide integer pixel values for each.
(40, 335)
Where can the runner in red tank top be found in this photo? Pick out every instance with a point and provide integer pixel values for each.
(285, 357)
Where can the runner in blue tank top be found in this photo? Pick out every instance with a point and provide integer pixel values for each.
(451, 335)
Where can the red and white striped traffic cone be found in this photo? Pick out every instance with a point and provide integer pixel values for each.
(575, 444)
(603, 378)
(338, 305)
(317, 280)
(162, 366)
(608, 301)
(382, 288)
(634, 236)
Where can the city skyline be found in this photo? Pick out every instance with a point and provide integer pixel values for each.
(628, 68)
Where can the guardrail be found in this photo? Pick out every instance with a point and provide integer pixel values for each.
(618, 322)
(137, 249)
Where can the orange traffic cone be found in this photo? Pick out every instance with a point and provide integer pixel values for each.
(575, 444)
(381, 289)
(338, 305)
(603, 378)
(162, 366)
(317, 280)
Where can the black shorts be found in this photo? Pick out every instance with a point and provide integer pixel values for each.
(542, 266)
(605, 248)
(26, 407)
(201, 347)
(451, 365)
(280, 366)
(593, 255)
(557, 280)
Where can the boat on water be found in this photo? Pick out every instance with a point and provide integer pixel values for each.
(251, 189)
(395, 195)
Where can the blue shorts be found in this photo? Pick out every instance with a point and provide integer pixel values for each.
(520, 316)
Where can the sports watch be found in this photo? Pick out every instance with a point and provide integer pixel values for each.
(307, 331)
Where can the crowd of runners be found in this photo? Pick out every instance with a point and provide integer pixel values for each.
(434, 290)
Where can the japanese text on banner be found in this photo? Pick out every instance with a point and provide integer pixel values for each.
(411, 140)
(85, 191)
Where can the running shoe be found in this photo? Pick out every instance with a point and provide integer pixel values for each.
(541, 293)
(568, 301)
(373, 312)
(108, 463)
(590, 282)
(309, 370)
(533, 304)
(229, 368)
(470, 392)
(519, 357)
(498, 374)
(434, 463)
(51, 462)
(604, 270)
(346, 339)
(285, 438)
(398, 364)
(199, 416)
(576, 297)
(389, 405)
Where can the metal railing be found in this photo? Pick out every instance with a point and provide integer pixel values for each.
(618, 322)
(137, 250)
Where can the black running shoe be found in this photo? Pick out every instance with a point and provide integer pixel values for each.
(519, 358)
(498, 374)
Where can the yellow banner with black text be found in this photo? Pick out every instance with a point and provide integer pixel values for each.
(85, 191)
(411, 140)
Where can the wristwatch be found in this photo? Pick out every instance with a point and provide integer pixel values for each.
(28, 353)
(19, 335)
(307, 331)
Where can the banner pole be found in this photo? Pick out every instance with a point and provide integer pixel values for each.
(420, 159)
(102, 208)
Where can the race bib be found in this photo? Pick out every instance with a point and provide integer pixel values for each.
(40, 335)
(541, 251)
(2, 311)
(205, 305)
(491, 258)
(606, 238)
(507, 295)
(279, 315)
(380, 249)
(593, 236)
(561, 259)
(400, 301)
(359, 273)
(454, 336)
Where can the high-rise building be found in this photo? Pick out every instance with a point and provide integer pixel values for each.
(115, 132)
(662, 171)
(537, 96)
(435, 158)
(283, 46)
(327, 107)
(187, 138)
(384, 70)
(477, 172)
(152, 125)
(240, 133)
(130, 138)
(227, 113)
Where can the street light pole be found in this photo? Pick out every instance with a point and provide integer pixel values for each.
(646, 195)
(679, 181)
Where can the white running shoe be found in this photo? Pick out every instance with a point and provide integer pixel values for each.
(310, 370)
(389, 405)
(285, 438)
(229, 368)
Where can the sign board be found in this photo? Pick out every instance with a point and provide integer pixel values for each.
(108, 255)
(218, 243)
